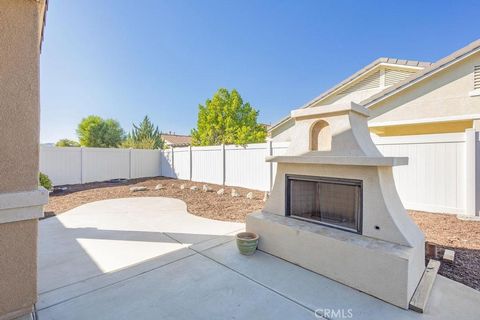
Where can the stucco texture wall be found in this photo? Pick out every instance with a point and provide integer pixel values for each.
(444, 94)
(20, 25)
(19, 95)
(18, 267)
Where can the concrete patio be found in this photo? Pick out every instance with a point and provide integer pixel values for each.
(148, 258)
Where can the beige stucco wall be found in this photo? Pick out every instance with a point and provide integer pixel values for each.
(444, 94)
(20, 25)
(356, 96)
(18, 267)
(19, 95)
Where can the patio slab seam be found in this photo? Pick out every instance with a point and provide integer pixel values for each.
(255, 281)
(185, 246)
(113, 283)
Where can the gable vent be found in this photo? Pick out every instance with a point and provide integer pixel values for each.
(476, 78)
(370, 82)
(394, 76)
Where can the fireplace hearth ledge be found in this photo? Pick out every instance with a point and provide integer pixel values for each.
(379, 268)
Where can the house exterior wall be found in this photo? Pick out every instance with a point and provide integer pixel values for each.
(445, 94)
(360, 90)
(21, 24)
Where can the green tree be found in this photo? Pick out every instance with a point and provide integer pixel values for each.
(93, 131)
(144, 136)
(67, 143)
(225, 119)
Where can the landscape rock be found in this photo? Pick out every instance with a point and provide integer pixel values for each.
(194, 188)
(265, 197)
(206, 188)
(135, 189)
(250, 195)
(235, 193)
(182, 186)
(221, 192)
(159, 187)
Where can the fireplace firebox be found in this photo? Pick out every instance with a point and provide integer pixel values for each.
(332, 202)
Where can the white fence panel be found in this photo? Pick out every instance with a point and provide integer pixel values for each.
(166, 163)
(62, 165)
(181, 160)
(207, 164)
(101, 164)
(278, 149)
(145, 163)
(434, 179)
(246, 166)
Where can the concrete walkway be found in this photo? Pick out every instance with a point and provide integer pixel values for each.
(148, 258)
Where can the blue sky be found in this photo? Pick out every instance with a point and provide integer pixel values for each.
(125, 59)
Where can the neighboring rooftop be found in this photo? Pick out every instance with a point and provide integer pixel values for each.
(176, 140)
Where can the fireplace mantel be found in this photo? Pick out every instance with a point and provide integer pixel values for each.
(341, 160)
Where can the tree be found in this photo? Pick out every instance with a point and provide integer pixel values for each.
(67, 143)
(225, 119)
(144, 136)
(93, 131)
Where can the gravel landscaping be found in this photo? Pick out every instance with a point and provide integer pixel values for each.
(205, 204)
(444, 230)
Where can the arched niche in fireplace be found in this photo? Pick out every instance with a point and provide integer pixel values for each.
(320, 136)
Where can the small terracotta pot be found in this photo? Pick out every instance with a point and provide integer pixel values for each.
(247, 242)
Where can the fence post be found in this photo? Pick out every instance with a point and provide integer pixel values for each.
(81, 165)
(160, 162)
(130, 163)
(191, 164)
(173, 163)
(472, 201)
(270, 165)
(224, 172)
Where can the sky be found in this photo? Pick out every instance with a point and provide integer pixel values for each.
(126, 59)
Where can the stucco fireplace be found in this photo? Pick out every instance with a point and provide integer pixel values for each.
(334, 208)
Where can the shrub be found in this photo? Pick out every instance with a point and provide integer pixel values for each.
(45, 181)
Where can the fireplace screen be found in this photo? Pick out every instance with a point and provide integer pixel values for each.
(328, 201)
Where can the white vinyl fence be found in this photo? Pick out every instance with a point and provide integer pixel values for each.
(443, 174)
(436, 177)
(226, 164)
(82, 165)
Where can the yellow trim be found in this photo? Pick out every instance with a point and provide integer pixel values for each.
(423, 128)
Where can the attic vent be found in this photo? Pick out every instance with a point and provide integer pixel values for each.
(476, 78)
(370, 82)
(393, 76)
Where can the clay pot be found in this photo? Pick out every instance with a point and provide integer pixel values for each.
(247, 242)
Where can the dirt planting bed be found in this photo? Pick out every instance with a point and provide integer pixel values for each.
(448, 232)
(205, 204)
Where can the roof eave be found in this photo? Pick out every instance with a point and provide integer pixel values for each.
(438, 66)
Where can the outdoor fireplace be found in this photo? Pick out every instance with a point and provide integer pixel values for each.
(328, 201)
(334, 208)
